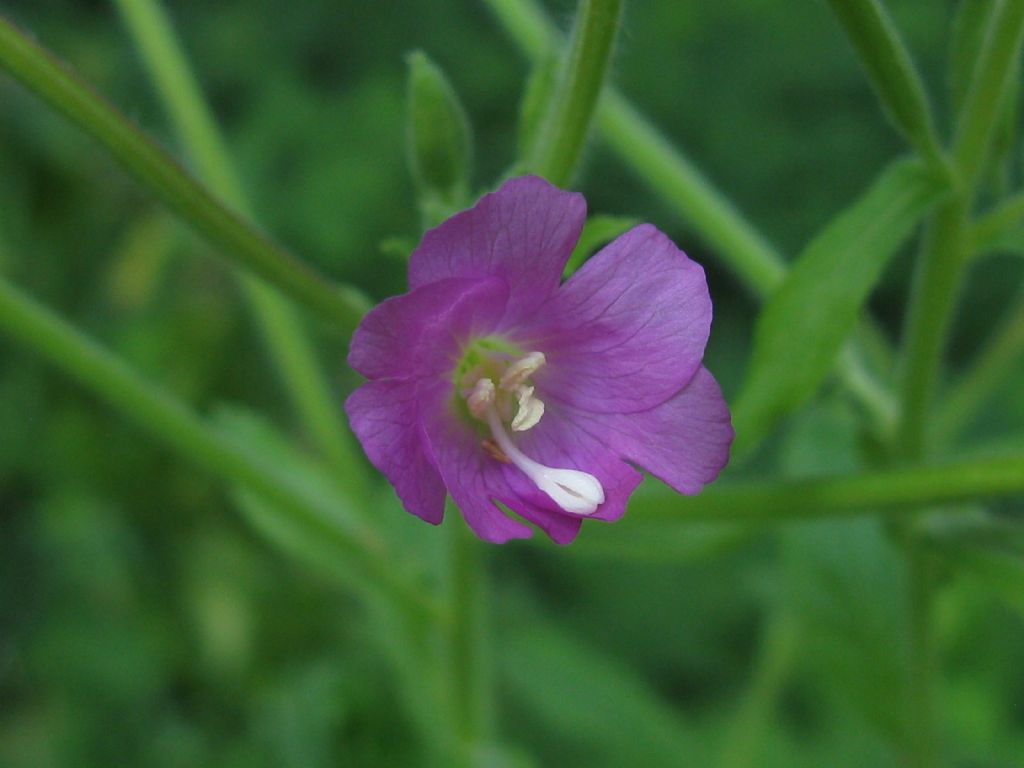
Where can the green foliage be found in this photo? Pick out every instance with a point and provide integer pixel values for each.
(145, 624)
(808, 318)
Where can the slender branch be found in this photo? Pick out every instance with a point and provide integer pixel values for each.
(664, 168)
(988, 370)
(171, 422)
(286, 339)
(468, 653)
(988, 231)
(933, 297)
(898, 492)
(921, 671)
(53, 82)
(571, 110)
(993, 72)
(891, 71)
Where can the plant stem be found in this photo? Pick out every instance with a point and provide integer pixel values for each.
(282, 330)
(988, 230)
(891, 71)
(988, 370)
(564, 132)
(53, 82)
(682, 185)
(898, 491)
(174, 424)
(922, 731)
(992, 73)
(934, 294)
(468, 654)
(776, 657)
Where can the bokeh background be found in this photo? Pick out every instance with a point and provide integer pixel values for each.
(144, 621)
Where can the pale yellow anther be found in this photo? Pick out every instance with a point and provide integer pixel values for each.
(481, 398)
(530, 410)
(517, 373)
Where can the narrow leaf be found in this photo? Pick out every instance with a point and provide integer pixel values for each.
(890, 69)
(803, 326)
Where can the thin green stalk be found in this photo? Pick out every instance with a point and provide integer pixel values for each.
(469, 657)
(777, 654)
(564, 132)
(670, 173)
(934, 294)
(282, 329)
(993, 71)
(171, 422)
(891, 71)
(922, 731)
(898, 492)
(155, 169)
(988, 230)
(988, 370)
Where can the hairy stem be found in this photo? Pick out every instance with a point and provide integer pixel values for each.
(574, 101)
(155, 169)
(174, 424)
(282, 329)
(898, 491)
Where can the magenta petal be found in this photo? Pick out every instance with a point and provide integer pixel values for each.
(384, 415)
(628, 330)
(522, 233)
(418, 333)
(684, 441)
(562, 440)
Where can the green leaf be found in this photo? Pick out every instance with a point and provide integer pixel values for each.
(439, 137)
(598, 231)
(890, 69)
(802, 328)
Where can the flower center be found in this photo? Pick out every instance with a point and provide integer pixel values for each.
(490, 383)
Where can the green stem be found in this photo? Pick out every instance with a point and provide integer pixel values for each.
(744, 741)
(891, 71)
(53, 82)
(899, 491)
(988, 371)
(989, 229)
(685, 188)
(171, 422)
(933, 297)
(993, 72)
(921, 727)
(282, 329)
(571, 110)
(468, 655)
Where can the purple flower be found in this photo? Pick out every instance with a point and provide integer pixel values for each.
(493, 382)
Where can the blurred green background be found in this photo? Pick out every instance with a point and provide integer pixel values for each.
(144, 622)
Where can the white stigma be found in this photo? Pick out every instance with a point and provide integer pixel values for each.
(576, 492)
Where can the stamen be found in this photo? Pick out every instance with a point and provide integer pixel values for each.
(530, 410)
(481, 398)
(576, 492)
(517, 373)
